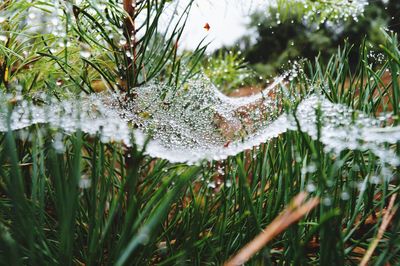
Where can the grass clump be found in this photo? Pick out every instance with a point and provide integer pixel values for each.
(97, 203)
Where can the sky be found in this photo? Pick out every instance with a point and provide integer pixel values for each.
(227, 20)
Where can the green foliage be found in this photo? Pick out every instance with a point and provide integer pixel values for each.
(90, 47)
(103, 204)
(228, 71)
(319, 11)
(291, 38)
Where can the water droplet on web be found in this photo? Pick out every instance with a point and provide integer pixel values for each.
(122, 42)
(327, 201)
(311, 187)
(129, 54)
(362, 186)
(85, 53)
(345, 195)
(375, 180)
(211, 185)
(221, 171)
(85, 182)
(58, 143)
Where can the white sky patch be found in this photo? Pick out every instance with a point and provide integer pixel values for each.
(227, 20)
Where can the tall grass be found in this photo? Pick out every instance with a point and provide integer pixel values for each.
(93, 203)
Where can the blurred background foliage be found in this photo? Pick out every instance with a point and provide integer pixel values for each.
(228, 70)
(273, 41)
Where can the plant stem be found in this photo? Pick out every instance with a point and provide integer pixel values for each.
(130, 35)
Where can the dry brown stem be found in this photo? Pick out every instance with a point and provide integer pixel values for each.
(387, 217)
(294, 212)
(130, 35)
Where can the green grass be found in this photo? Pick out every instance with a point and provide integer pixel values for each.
(138, 210)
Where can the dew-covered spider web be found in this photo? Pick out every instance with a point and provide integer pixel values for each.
(196, 122)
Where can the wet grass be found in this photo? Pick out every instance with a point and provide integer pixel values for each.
(103, 204)
(138, 210)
